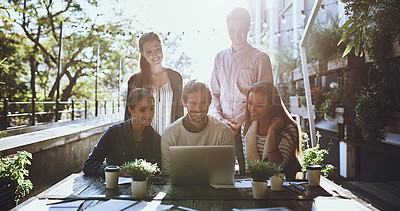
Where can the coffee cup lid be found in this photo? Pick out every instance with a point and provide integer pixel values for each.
(111, 168)
(314, 167)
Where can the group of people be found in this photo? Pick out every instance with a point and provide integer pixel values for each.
(243, 103)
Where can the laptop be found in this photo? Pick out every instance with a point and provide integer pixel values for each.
(195, 165)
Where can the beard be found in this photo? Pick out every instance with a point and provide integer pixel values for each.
(198, 117)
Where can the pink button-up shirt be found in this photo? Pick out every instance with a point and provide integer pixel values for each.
(233, 74)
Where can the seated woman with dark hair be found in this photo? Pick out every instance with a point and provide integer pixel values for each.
(130, 140)
(271, 134)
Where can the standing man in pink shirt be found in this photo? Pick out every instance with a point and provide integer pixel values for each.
(235, 70)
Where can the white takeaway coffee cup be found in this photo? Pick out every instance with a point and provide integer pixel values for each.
(314, 174)
(112, 175)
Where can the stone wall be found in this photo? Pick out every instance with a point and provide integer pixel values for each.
(56, 152)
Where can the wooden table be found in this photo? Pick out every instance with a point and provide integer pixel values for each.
(199, 197)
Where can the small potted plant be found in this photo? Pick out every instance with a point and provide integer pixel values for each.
(139, 170)
(276, 178)
(13, 184)
(315, 155)
(260, 171)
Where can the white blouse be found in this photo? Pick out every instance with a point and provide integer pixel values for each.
(163, 105)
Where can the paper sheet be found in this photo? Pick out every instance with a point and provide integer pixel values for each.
(263, 209)
(144, 205)
(122, 180)
(237, 183)
(113, 204)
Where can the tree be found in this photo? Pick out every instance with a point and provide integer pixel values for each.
(13, 57)
(42, 19)
(40, 22)
(177, 59)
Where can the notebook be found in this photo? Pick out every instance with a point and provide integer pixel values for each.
(202, 165)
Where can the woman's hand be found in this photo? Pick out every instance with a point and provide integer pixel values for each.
(276, 124)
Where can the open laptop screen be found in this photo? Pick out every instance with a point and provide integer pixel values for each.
(202, 164)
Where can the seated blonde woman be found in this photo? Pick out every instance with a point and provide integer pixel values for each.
(270, 132)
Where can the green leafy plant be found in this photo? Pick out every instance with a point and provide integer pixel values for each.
(286, 59)
(260, 171)
(372, 113)
(303, 101)
(371, 26)
(327, 100)
(3, 133)
(140, 169)
(332, 101)
(13, 169)
(315, 155)
(323, 39)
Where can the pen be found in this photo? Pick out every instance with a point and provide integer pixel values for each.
(101, 179)
(302, 189)
(293, 190)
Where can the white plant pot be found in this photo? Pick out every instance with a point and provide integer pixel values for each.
(139, 189)
(259, 189)
(277, 182)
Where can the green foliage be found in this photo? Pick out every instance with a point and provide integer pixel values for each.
(327, 100)
(37, 41)
(284, 59)
(372, 26)
(374, 103)
(3, 133)
(13, 67)
(314, 155)
(303, 101)
(322, 41)
(140, 169)
(14, 169)
(372, 113)
(260, 170)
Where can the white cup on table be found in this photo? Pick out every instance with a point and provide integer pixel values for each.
(112, 175)
(314, 174)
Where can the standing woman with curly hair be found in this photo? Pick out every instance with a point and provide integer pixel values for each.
(165, 84)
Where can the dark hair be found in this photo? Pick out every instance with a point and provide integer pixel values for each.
(278, 108)
(239, 14)
(136, 95)
(144, 65)
(195, 86)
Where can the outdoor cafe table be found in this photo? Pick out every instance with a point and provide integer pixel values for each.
(93, 193)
